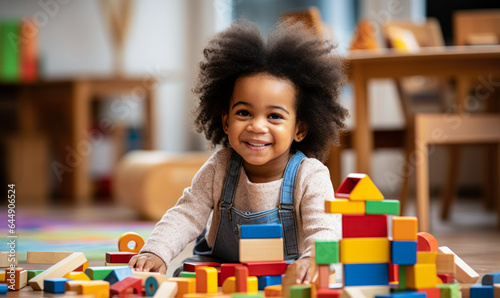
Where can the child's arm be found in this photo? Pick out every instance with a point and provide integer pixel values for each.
(148, 262)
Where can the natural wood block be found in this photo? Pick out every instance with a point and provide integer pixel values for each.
(464, 273)
(445, 263)
(6, 259)
(261, 250)
(59, 269)
(167, 289)
(144, 275)
(46, 257)
(364, 291)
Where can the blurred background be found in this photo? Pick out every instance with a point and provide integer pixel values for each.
(93, 81)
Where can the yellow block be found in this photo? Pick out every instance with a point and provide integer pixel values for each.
(421, 276)
(184, 285)
(2, 277)
(97, 288)
(365, 250)
(206, 280)
(252, 284)
(76, 275)
(344, 206)
(229, 285)
(426, 257)
(404, 228)
(195, 295)
(359, 187)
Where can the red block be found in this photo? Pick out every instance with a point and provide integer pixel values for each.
(329, 293)
(119, 256)
(266, 268)
(241, 274)
(227, 270)
(323, 276)
(131, 284)
(447, 278)
(393, 272)
(426, 242)
(368, 225)
(191, 266)
(431, 292)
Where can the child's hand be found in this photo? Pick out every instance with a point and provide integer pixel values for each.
(296, 273)
(148, 262)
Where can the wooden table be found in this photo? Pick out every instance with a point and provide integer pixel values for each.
(64, 107)
(462, 63)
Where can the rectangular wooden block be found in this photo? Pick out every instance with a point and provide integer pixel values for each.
(167, 289)
(393, 273)
(300, 291)
(389, 207)
(375, 274)
(261, 250)
(6, 259)
(450, 290)
(364, 250)
(266, 281)
(144, 275)
(266, 268)
(431, 292)
(261, 231)
(344, 206)
(21, 278)
(97, 288)
(364, 291)
(59, 269)
(464, 273)
(191, 266)
(445, 263)
(46, 257)
(421, 276)
(482, 291)
(241, 275)
(273, 291)
(404, 228)
(325, 251)
(361, 225)
(323, 276)
(206, 280)
(119, 256)
(426, 257)
(404, 252)
(184, 285)
(55, 285)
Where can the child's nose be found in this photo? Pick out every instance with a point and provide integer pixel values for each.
(258, 125)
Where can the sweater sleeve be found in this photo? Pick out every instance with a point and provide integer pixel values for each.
(185, 221)
(314, 188)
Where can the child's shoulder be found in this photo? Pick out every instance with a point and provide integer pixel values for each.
(221, 157)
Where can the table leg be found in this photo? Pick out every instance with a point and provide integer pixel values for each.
(363, 136)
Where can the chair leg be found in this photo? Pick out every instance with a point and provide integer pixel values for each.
(422, 188)
(334, 166)
(409, 148)
(449, 191)
(490, 182)
(497, 183)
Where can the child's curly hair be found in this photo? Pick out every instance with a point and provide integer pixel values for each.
(291, 52)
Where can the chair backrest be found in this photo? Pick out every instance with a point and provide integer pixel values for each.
(426, 34)
(476, 27)
(310, 17)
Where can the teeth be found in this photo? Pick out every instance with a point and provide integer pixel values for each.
(257, 145)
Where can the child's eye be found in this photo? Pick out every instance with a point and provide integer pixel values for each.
(243, 113)
(275, 116)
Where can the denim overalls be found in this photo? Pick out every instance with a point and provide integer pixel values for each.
(226, 245)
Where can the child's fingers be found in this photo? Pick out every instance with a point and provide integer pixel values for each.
(150, 265)
(163, 269)
(141, 260)
(132, 261)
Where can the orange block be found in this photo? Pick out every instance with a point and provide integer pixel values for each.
(273, 291)
(426, 242)
(404, 228)
(185, 285)
(241, 274)
(206, 280)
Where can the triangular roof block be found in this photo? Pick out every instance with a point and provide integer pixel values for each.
(359, 187)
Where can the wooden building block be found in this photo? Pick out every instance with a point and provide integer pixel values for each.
(431, 292)
(119, 256)
(402, 278)
(404, 252)
(46, 257)
(115, 264)
(101, 272)
(482, 291)
(364, 291)
(426, 242)
(261, 231)
(445, 263)
(59, 269)
(421, 276)
(403, 295)
(3, 289)
(266, 281)
(464, 289)
(426, 257)
(184, 285)
(76, 275)
(229, 285)
(325, 251)
(344, 206)
(241, 275)
(361, 225)
(118, 274)
(404, 228)
(464, 273)
(145, 275)
(206, 280)
(265, 268)
(491, 279)
(151, 285)
(188, 274)
(191, 266)
(446, 278)
(131, 284)
(364, 250)
(449, 290)
(359, 187)
(375, 274)
(273, 291)
(261, 250)
(389, 207)
(167, 289)
(6, 259)
(32, 273)
(130, 237)
(323, 276)
(496, 290)
(393, 273)
(97, 288)
(21, 278)
(252, 284)
(55, 285)
(227, 270)
(328, 293)
(300, 291)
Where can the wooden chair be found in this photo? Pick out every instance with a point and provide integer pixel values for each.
(434, 129)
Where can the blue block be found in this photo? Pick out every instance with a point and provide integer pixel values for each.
(119, 274)
(490, 279)
(480, 291)
(376, 274)
(404, 252)
(55, 285)
(150, 286)
(3, 288)
(261, 231)
(402, 295)
(265, 281)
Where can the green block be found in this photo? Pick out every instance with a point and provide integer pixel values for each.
(300, 291)
(326, 251)
(188, 274)
(449, 290)
(247, 295)
(100, 272)
(402, 278)
(9, 50)
(33, 273)
(382, 207)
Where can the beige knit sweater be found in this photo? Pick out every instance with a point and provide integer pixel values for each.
(197, 207)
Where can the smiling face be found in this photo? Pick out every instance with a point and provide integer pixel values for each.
(262, 121)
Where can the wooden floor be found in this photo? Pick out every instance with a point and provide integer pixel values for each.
(471, 233)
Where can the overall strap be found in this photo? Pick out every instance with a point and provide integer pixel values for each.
(287, 207)
(231, 182)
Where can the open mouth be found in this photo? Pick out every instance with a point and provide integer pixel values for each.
(257, 144)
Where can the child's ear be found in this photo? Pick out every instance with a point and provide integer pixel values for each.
(300, 132)
(224, 122)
